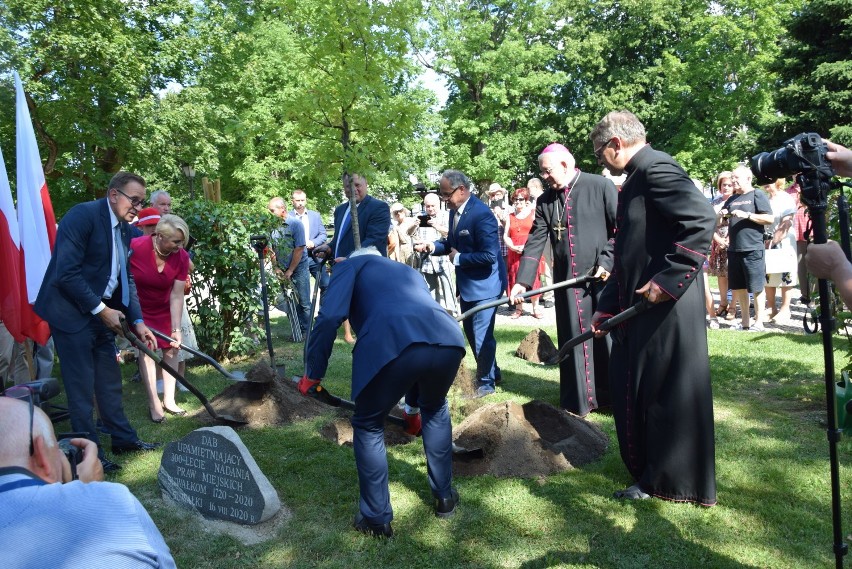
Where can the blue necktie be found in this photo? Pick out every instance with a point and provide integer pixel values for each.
(122, 267)
(344, 225)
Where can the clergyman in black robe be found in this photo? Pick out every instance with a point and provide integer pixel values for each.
(576, 214)
(659, 369)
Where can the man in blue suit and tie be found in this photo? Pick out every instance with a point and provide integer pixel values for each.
(473, 246)
(374, 222)
(87, 290)
(315, 235)
(407, 345)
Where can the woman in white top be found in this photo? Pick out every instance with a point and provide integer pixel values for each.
(781, 264)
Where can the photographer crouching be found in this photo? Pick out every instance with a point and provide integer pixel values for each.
(50, 520)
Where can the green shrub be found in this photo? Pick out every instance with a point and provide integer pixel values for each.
(225, 297)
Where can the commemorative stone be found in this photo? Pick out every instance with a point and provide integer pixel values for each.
(212, 472)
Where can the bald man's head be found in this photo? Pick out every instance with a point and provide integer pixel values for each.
(15, 429)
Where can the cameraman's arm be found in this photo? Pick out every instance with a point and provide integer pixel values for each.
(89, 469)
(840, 158)
(827, 261)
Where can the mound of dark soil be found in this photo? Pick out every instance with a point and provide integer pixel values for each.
(527, 441)
(536, 347)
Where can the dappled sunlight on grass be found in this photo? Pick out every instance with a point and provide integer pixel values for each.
(772, 472)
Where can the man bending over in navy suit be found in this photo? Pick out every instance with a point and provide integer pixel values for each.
(406, 342)
(86, 290)
(473, 246)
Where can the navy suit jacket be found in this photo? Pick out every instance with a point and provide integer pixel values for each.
(477, 239)
(315, 227)
(390, 307)
(79, 269)
(374, 222)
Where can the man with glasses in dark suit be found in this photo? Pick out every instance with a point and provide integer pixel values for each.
(473, 247)
(86, 292)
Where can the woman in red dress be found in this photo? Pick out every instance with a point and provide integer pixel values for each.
(515, 236)
(160, 265)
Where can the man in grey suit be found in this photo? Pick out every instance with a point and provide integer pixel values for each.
(87, 290)
(315, 235)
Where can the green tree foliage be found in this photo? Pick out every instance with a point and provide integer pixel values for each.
(497, 62)
(225, 297)
(694, 72)
(89, 68)
(314, 89)
(815, 68)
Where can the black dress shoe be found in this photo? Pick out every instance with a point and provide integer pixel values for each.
(109, 466)
(375, 530)
(446, 507)
(134, 447)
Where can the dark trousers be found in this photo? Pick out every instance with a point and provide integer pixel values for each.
(431, 370)
(479, 331)
(90, 372)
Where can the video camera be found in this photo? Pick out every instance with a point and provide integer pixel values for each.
(40, 390)
(803, 153)
(259, 242)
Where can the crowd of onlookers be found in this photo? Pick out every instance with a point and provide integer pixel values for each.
(767, 238)
(757, 254)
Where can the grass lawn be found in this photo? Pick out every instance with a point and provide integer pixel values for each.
(772, 469)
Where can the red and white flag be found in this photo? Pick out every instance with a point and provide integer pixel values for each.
(10, 259)
(36, 221)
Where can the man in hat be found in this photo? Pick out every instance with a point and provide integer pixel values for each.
(576, 216)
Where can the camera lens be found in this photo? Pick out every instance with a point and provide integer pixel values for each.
(768, 166)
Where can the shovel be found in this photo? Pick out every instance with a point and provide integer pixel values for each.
(226, 419)
(322, 394)
(506, 300)
(607, 325)
(233, 376)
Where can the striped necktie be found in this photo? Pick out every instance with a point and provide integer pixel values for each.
(122, 266)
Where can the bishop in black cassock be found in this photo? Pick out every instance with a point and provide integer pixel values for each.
(576, 213)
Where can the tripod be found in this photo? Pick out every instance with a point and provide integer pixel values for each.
(815, 186)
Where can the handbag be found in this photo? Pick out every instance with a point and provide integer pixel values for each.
(779, 260)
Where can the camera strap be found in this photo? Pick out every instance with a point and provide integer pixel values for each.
(31, 480)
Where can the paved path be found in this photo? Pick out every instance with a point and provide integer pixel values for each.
(791, 326)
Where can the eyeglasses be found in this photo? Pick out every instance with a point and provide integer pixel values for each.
(135, 202)
(599, 150)
(516, 200)
(22, 392)
(445, 197)
(546, 171)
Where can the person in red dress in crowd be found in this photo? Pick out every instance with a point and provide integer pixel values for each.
(160, 265)
(515, 236)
